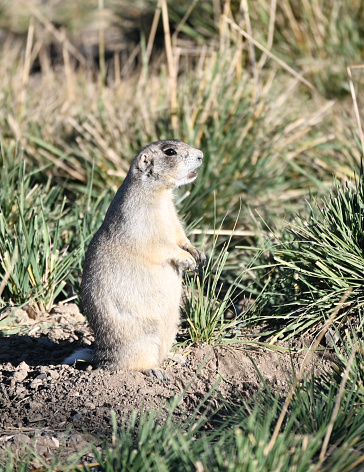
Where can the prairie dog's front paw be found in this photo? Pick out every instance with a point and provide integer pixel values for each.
(198, 255)
(186, 261)
(189, 263)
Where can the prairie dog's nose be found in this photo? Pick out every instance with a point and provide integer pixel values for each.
(199, 155)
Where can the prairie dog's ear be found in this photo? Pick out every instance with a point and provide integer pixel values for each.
(145, 162)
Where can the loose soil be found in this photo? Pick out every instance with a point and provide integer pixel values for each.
(62, 409)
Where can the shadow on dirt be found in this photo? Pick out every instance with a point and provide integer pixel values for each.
(35, 351)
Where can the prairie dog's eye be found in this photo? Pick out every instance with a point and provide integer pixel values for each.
(169, 152)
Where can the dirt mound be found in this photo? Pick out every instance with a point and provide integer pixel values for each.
(53, 405)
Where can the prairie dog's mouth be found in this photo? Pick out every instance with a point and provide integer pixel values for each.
(192, 174)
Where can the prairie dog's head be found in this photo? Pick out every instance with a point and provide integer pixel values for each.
(167, 164)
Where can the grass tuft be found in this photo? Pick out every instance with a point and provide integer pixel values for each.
(322, 260)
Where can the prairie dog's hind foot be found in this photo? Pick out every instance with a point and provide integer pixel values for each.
(159, 374)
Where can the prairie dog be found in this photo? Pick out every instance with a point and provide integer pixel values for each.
(132, 278)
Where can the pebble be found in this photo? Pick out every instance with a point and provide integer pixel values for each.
(41, 377)
(56, 442)
(90, 406)
(36, 383)
(19, 376)
(53, 374)
(145, 391)
(76, 417)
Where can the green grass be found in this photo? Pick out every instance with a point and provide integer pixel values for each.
(270, 143)
(212, 302)
(320, 259)
(42, 234)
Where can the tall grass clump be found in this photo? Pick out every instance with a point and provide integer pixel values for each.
(322, 38)
(253, 149)
(219, 304)
(208, 300)
(323, 259)
(43, 233)
(33, 253)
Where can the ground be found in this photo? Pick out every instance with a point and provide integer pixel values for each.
(57, 407)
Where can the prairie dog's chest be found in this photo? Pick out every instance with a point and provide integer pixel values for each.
(153, 224)
(165, 216)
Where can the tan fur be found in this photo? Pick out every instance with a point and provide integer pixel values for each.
(131, 284)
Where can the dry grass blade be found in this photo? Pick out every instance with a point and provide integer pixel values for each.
(272, 20)
(68, 71)
(336, 409)
(245, 8)
(222, 232)
(7, 273)
(27, 62)
(301, 372)
(171, 65)
(102, 63)
(355, 464)
(355, 103)
(153, 31)
(184, 19)
(268, 53)
(57, 34)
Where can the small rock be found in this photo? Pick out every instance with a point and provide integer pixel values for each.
(45, 443)
(53, 374)
(19, 376)
(331, 338)
(23, 366)
(30, 312)
(19, 390)
(22, 316)
(32, 405)
(76, 417)
(35, 418)
(70, 308)
(56, 442)
(36, 383)
(145, 391)
(57, 333)
(22, 439)
(77, 438)
(69, 312)
(41, 377)
(90, 406)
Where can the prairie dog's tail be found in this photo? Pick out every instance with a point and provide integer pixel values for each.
(85, 354)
